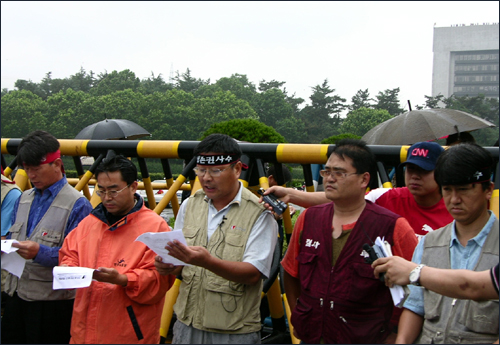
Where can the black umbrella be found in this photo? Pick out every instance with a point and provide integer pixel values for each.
(113, 129)
(423, 125)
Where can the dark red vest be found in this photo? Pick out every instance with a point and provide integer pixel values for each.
(345, 303)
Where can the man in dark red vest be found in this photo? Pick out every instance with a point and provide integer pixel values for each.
(331, 290)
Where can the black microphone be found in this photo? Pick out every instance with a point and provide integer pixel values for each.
(222, 221)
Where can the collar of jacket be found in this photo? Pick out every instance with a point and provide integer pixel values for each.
(101, 213)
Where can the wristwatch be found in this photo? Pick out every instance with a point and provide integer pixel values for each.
(415, 275)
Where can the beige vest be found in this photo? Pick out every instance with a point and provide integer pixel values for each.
(206, 300)
(35, 283)
(6, 188)
(448, 320)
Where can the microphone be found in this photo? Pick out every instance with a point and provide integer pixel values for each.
(222, 221)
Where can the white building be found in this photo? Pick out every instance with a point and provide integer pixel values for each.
(466, 60)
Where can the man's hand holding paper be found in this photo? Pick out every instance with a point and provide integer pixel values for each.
(158, 241)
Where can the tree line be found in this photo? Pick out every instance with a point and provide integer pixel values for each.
(186, 107)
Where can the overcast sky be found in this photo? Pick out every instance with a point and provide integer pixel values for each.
(355, 45)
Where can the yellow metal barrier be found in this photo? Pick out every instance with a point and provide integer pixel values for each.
(304, 154)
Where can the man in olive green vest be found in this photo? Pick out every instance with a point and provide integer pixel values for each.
(231, 239)
(469, 242)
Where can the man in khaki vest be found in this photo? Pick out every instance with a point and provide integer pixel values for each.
(469, 242)
(231, 239)
(43, 216)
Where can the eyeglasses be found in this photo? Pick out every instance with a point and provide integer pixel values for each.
(212, 172)
(110, 193)
(338, 175)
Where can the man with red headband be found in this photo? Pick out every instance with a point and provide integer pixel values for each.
(43, 216)
(470, 242)
(231, 239)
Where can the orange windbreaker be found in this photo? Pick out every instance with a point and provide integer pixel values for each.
(108, 313)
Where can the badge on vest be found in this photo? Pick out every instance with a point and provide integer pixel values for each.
(310, 243)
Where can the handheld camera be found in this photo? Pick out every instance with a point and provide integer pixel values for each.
(374, 253)
(278, 206)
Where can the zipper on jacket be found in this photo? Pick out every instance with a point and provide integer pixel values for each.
(321, 302)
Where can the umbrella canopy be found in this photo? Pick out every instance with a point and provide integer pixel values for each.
(423, 125)
(113, 129)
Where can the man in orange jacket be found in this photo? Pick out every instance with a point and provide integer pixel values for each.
(124, 306)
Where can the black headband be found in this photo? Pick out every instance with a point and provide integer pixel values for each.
(479, 176)
(217, 159)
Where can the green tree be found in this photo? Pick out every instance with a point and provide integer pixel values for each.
(486, 108)
(360, 121)
(82, 81)
(68, 112)
(322, 118)
(433, 102)
(223, 106)
(170, 115)
(249, 130)
(389, 101)
(125, 104)
(271, 106)
(273, 84)
(28, 85)
(186, 82)
(108, 83)
(207, 91)
(334, 138)
(360, 100)
(154, 84)
(22, 112)
(239, 85)
(292, 129)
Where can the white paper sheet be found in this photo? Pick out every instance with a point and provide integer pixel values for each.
(13, 263)
(71, 277)
(7, 246)
(397, 291)
(157, 242)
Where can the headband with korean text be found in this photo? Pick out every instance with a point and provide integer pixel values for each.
(218, 159)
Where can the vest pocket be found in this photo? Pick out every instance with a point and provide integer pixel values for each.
(307, 266)
(48, 237)
(301, 318)
(223, 306)
(14, 230)
(364, 285)
(234, 246)
(189, 233)
(40, 273)
(432, 305)
(480, 317)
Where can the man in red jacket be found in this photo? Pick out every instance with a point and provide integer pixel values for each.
(124, 306)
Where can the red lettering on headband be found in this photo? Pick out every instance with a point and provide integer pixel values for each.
(50, 157)
(419, 152)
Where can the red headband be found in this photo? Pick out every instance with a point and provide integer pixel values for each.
(51, 157)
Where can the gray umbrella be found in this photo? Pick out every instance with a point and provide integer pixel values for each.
(113, 129)
(423, 125)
